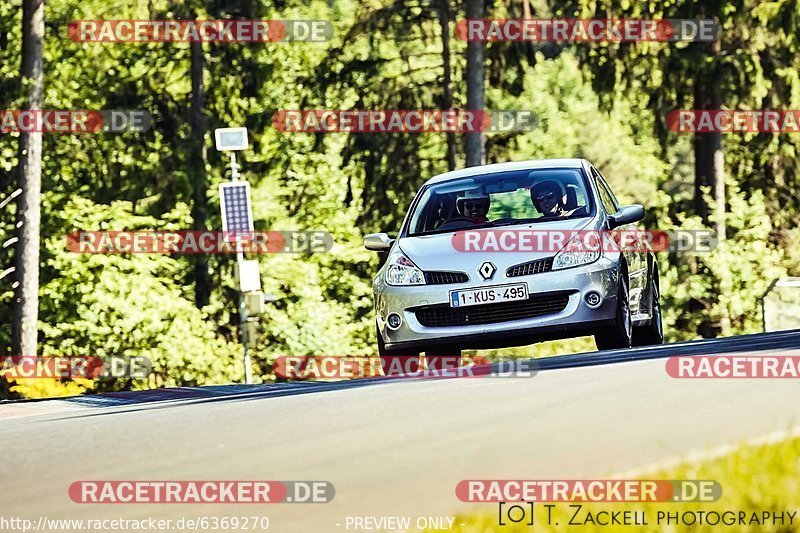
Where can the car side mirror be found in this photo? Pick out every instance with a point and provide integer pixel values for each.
(627, 214)
(378, 242)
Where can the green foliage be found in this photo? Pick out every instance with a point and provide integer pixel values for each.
(753, 65)
(129, 305)
(571, 124)
(707, 294)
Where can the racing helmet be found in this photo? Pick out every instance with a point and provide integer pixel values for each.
(549, 184)
(472, 194)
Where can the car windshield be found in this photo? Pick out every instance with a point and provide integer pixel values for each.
(500, 199)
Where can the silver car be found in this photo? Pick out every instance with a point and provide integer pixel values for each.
(497, 256)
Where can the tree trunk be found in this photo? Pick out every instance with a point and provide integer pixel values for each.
(197, 169)
(719, 189)
(709, 160)
(26, 309)
(709, 163)
(526, 9)
(475, 142)
(447, 92)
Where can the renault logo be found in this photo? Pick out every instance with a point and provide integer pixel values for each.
(487, 270)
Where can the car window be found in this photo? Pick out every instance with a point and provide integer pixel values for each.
(605, 195)
(580, 196)
(605, 198)
(425, 218)
(503, 198)
(514, 204)
(604, 189)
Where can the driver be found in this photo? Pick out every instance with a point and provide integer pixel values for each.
(549, 198)
(474, 205)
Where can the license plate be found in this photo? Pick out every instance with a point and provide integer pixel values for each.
(489, 295)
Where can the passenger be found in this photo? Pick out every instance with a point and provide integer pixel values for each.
(474, 205)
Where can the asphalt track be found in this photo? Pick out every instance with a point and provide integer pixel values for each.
(390, 447)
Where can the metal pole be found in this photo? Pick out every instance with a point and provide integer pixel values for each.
(248, 368)
(234, 167)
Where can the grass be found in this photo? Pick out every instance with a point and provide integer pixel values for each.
(754, 478)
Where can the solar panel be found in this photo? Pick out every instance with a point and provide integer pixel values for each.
(237, 209)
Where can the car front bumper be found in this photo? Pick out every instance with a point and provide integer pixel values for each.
(576, 318)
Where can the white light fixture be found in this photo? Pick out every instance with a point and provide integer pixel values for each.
(231, 139)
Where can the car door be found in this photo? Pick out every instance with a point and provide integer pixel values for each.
(634, 255)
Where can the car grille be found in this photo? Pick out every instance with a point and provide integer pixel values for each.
(445, 278)
(533, 267)
(437, 316)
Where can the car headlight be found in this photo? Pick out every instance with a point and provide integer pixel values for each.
(576, 253)
(401, 271)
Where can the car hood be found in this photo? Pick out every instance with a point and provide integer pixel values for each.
(437, 252)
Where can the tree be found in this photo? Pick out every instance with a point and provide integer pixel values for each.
(447, 74)
(398, 65)
(474, 141)
(701, 75)
(26, 310)
(709, 159)
(197, 171)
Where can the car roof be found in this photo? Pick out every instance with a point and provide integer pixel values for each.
(503, 167)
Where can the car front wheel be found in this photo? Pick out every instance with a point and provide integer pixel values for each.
(620, 334)
(652, 333)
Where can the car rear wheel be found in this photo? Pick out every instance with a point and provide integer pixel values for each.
(652, 333)
(620, 334)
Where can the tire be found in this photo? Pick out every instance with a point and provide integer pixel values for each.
(396, 363)
(620, 334)
(653, 333)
